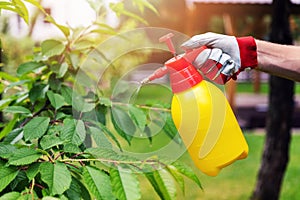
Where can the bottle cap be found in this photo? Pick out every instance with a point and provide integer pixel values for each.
(183, 75)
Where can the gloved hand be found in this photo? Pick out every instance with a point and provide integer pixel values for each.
(227, 56)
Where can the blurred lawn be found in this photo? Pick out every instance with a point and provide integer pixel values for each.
(264, 88)
(237, 181)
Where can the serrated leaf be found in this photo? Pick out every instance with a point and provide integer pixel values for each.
(6, 150)
(65, 30)
(163, 183)
(73, 131)
(21, 9)
(100, 138)
(17, 109)
(67, 93)
(170, 128)
(56, 176)
(62, 70)
(71, 148)
(125, 184)
(74, 192)
(49, 141)
(10, 196)
(110, 134)
(28, 67)
(38, 92)
(21, 179)
(24, 156)
(36, 128)
(122, 123)
(14, 136)
(9, 127)
(32, 171)
(188, 172)
(138, 116)
(177, 176)
(7, 175)
(98, 183)
(52, 48)
(56, 100)
(80, 105)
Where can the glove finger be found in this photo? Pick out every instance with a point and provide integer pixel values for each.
(212, 61)
(206, 39)
(202, 58)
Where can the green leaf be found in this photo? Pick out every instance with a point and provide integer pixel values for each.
(8, 77)
(71, 148)
(122, 123)
(188, 172)
(74, 192)
(138, 116)
(49, 141)
(17, 109)
(21, 9)
(24, 156)
(119, 9)
(146, 4)
(56, 176)
(36, 128)
(170, 128)
(100, 138)
(109, 133)
(62, 70)
(73, 131)
(32, 171)
(56, 100)
(125, 184)
(65, 30)
(80, 105)
(7, 175)
(9, 127)
(38, 91)
(5, 102)
(10, 196)
(14, 136)
(67, 93)
(105, 101)
(6, 150)
(163, 183)
(52, 48)
(98, 183)
(28, 67)
(177, 176)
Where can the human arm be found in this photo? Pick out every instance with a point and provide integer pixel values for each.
(279, 60)
(247, 52)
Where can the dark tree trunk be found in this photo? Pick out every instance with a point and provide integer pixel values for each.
(281, 104)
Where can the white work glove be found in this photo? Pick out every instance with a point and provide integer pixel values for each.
(225, 57)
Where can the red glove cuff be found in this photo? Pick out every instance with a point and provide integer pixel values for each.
(248, 53)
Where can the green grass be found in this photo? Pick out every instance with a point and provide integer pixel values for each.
(264, 88)
(237, 181)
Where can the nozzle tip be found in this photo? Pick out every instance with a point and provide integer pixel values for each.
(145, 81)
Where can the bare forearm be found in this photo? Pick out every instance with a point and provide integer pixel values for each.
(279, 60)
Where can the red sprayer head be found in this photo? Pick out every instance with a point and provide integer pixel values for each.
(183, 75)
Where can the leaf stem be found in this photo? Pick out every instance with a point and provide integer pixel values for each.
(143, 106)
(149, 162)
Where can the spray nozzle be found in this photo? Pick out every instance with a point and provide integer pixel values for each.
(160, 72)
(167, 39)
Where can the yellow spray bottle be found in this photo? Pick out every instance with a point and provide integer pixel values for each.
(202, 114)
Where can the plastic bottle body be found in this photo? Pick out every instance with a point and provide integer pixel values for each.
(208, 127)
